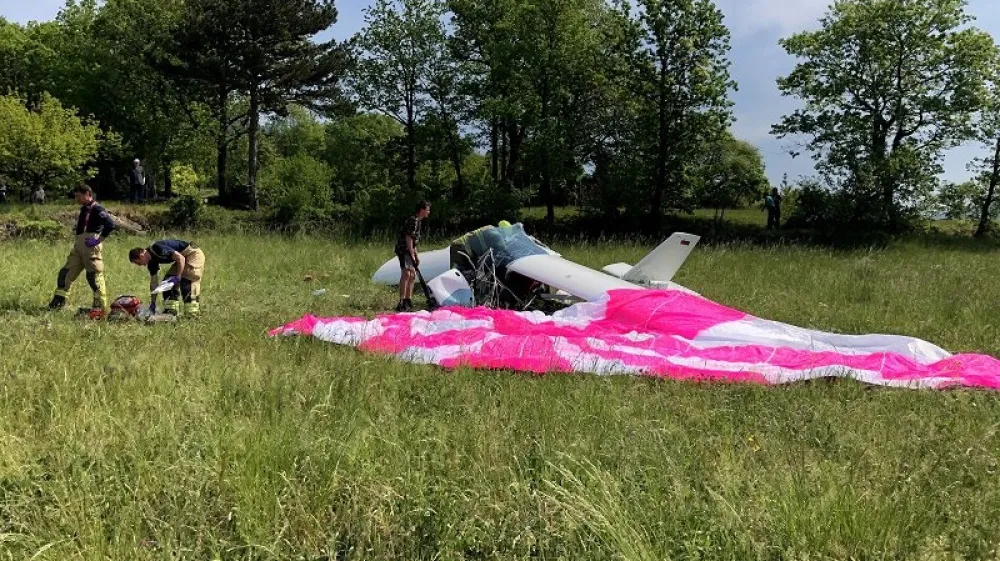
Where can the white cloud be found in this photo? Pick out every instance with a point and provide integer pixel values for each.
(746, 17)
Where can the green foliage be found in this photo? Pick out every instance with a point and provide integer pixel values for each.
(186, 212)
(262, 49)
(731, 175)
(888, 86)
(30, 226)
(186, 181)
(393, 55)
(360, 151)
(297, 189)
(380, 207)
(684, 83)
(299, 132)
(960, 201)
(48, 147)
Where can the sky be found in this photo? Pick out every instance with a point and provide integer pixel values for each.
(757, 61)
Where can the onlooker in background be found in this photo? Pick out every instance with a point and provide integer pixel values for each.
(3, 191)
(773, 205)
(137, 180)
(38, 197)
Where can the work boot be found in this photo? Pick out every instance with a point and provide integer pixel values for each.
(192, 309)
(401, 306)
(58, 302)
(172, 307)
(407, 305)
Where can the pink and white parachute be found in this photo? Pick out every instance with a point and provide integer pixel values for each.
(664, 333)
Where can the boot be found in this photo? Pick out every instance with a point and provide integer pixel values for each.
(58, 302)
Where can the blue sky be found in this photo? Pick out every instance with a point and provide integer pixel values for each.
(757, 61)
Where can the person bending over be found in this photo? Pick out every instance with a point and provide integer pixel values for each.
(187, 265)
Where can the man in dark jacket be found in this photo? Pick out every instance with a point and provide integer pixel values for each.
(93, 226)
(137, 179)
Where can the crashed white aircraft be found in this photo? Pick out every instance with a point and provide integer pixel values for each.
(516, 252)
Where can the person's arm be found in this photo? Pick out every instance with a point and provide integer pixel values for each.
(107, 224)
(154, 281)
(179, 262)
(412, 249)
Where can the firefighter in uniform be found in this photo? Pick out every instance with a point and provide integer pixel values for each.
(93, 226)
(187, 265)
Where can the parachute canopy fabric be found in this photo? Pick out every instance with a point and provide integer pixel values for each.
(663, 333)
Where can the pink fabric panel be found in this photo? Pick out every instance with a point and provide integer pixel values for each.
(648, 332)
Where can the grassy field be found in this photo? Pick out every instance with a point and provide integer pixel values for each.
(207, 440)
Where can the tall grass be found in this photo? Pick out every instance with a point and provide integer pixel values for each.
(208, 440)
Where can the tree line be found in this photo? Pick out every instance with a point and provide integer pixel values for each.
(619, 107)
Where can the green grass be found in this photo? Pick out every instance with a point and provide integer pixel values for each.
(208, 440)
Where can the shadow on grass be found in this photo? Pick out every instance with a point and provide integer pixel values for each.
(28, 308)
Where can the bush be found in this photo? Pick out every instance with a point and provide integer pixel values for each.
(32, 228)
(40, 230)
(380, 208)
(297, 190)
(185, 212)
(185, 181)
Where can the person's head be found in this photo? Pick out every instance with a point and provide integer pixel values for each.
(774, 190)
(135, 162)
(139, 256)
(423, 209)
(503, 224)
(83, 194)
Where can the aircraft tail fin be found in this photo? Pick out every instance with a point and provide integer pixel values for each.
(660, 266)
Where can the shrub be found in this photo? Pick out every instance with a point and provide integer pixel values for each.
(185, 181)
(185, 212)
(40, 230)
(297, 190)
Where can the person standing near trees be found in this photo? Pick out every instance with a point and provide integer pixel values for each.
(409, 259)
(772, 202)
(93, 226)
(137, 180)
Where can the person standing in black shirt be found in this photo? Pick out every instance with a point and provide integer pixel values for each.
(409, 259)
(93, 226)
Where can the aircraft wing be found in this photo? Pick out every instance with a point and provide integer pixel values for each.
(573, 278)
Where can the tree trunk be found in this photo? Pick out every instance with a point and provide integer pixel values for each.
(504, 141)
(516, 135)
(984, 220)
(411, 149)
(252, 131)
(660, 180)
(458, 193)
(168, 181)
(456, 159)
(222, 146)
(495, 150)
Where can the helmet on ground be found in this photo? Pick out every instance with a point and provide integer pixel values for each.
(125, 306)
